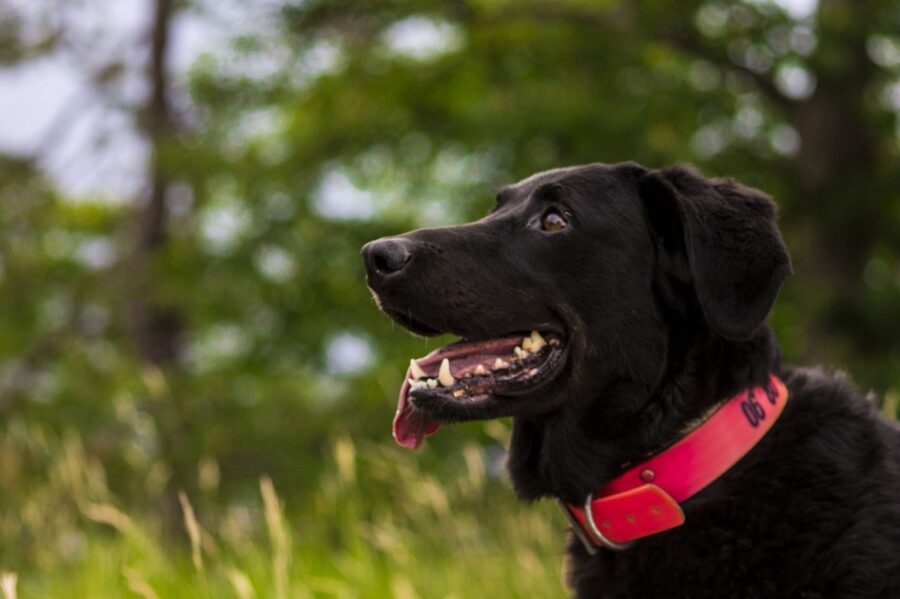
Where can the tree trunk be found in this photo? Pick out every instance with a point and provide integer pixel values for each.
(157, 328)
(837, 199)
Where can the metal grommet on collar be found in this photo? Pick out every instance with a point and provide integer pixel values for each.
(595, 530)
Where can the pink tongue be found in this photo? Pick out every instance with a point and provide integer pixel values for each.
(411, 426)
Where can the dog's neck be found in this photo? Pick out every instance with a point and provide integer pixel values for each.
(578, 449)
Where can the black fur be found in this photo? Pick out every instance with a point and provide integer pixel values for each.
(660, 284)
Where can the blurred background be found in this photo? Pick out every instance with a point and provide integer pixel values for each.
(195, 388)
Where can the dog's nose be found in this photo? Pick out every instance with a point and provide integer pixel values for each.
(385, 257)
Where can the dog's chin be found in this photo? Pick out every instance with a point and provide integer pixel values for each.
(411, 324)
(475, 379)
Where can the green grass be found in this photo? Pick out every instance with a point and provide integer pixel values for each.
(376, 525)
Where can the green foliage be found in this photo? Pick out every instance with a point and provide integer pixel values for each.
(320, 130)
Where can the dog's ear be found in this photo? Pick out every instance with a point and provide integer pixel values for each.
(722, 236)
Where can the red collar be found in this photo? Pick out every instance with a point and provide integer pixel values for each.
(645, 499)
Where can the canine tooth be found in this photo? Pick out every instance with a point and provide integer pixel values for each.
(527, 344)
(432, 383)
(537, 341)
(480, 370)
(444, 376)
(416, 370)
(458, 393)
(520, 353)
(500, 363)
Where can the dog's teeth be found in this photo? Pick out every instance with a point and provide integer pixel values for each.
(532, 372)
(444, 376)
(458, 393)
(537, 342)
(527, 345)
(500, 363)
(432, 383)
(417, 384)
(415, 370)
(520, 353)
(480, 370)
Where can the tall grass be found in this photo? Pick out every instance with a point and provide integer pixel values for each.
(376, 525)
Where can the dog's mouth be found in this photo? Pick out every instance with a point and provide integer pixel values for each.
(467, 374)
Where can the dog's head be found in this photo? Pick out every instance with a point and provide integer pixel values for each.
(577, 277)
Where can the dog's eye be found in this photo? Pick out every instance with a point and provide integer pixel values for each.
(553, 221)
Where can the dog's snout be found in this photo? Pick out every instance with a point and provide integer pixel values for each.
(385, 257)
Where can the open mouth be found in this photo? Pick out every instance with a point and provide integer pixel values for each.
(469, 373)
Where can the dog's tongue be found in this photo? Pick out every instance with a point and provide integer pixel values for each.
(410, 425)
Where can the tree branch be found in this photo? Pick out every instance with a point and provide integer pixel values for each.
(691, 43)
(621, 19)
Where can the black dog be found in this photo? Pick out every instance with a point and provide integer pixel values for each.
(647, 292)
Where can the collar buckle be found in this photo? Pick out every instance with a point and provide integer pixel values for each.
(595, 530)
(591, 545)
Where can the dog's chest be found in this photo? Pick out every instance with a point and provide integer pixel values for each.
(682, 571)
